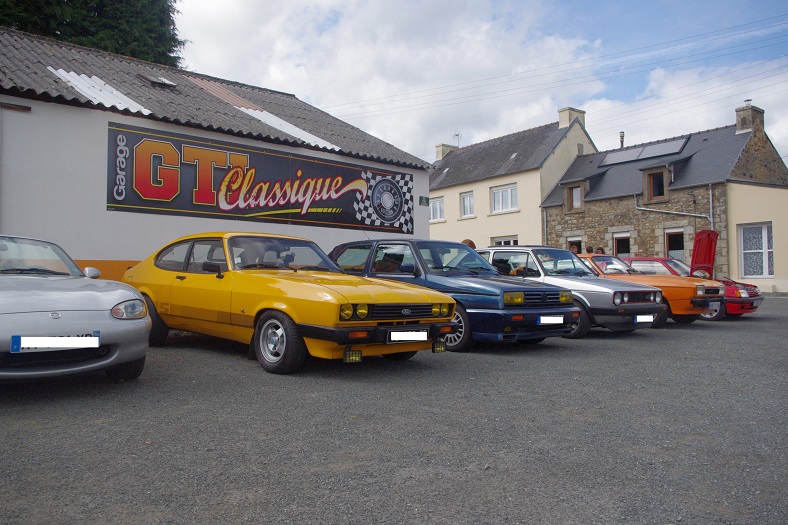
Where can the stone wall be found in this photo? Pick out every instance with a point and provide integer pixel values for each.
(597, 222)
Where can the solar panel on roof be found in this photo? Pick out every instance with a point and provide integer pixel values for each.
(617, 157)
(664, 148)
(644, 152)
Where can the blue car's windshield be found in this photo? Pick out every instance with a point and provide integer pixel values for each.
(453, 258)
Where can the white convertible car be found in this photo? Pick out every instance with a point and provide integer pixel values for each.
(56, 320)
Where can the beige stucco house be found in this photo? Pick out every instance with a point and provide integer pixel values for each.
(491, 192)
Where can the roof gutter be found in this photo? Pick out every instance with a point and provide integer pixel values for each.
(709, 217)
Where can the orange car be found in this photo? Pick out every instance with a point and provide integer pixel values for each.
(687, 297)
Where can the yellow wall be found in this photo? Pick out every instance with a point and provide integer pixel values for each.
(750, 204)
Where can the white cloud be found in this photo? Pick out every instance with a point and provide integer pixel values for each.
(415, 73)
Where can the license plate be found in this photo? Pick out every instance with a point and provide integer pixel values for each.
(551, 319)
(406, 336)
(644, 318)
(22, 344)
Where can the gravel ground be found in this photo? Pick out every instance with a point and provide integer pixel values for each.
(684, 424)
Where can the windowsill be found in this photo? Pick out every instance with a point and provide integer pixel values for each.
(437, 221)
(576, 210)
(657, 200)
(504, 212)
(465, 218)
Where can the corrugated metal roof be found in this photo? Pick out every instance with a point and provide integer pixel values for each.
(44, 69)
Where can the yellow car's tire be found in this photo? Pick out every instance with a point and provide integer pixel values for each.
(278, 346)
(159, 329)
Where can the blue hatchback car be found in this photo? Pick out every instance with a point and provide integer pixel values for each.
(490, 306)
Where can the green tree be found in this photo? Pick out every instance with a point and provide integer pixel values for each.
(143, 29)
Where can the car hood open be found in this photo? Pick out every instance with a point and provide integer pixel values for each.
(704, 250)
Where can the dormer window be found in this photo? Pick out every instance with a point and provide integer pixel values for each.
(574, 198)
(655, 185)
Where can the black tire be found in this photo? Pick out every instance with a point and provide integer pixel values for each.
(400, 356)
(159, 329)
(661, 318)
(278, 346)
(716, 314)
(128, 371)
(583, 324)
(460, 341)
(685, 319)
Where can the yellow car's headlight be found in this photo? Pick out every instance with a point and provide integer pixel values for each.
(362, 311)
(346, 311)
(436, 310)
(445, 310)
(513, 298)
(700, 290)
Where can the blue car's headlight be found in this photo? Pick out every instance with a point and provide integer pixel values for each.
(133, 309)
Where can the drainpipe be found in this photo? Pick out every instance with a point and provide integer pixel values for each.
(707, 217)
(544, 227)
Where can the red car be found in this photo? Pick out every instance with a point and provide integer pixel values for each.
(740, 298)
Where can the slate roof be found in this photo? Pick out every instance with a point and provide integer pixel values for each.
(706, 157)
(521, 151)
(28, 66)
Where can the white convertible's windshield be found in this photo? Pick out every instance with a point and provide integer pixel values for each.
(33, 257)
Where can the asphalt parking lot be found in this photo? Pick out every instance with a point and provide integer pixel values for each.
(684, 424)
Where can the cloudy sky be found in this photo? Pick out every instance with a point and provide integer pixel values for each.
(421, 73)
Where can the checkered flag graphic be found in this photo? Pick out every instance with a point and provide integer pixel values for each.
(365, 212)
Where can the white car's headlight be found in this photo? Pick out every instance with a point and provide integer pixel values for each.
(133, 309)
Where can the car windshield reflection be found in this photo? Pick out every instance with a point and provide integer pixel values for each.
(278, 254)
(451, 258)
(560, 262)
(33, 257)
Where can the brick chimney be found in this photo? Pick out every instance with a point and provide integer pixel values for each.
(749, 118)
(567, 115)
(441, 150)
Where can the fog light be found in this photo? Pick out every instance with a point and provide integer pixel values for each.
(446, 329)
(438, 345)
(359, 334)
(352, 356)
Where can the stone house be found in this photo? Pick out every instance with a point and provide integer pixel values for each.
(650, 199)
(490, 192)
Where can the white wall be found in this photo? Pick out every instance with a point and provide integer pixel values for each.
(53, 185)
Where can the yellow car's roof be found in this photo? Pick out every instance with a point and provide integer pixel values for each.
(227, 235)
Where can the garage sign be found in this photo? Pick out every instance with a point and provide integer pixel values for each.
(150, 171)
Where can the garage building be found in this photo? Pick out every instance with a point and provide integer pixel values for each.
(112, 157)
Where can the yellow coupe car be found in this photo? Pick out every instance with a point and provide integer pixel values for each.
(687, 297)
(285, 298)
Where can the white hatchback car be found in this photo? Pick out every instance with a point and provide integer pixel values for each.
(56, 320)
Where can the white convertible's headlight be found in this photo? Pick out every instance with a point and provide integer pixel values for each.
(134, 309)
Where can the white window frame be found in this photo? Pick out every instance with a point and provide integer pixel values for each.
(766, 250)
(466, 205)
(506, 240)
(508, 197)
(437, 210)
